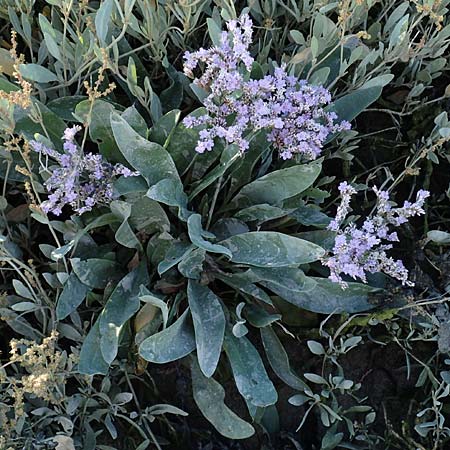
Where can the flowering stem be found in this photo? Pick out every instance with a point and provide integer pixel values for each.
(426, 186)
(36, 193)
(214, 200)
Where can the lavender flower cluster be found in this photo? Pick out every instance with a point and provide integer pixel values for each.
(360, 250)
(81, 180)
(290, 109)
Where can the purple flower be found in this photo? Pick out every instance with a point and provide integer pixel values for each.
(291, 110)
(358, 251)
(69, 133)
(343, 209)
(80, 180)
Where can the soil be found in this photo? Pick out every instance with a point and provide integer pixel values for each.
(382, 371)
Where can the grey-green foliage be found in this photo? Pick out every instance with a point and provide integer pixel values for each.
(196, 258)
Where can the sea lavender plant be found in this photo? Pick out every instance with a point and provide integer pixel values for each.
(360, 250)
(291, 110)
(81, 180)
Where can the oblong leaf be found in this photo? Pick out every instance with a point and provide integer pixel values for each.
(149, 158)
(249, 372)
(91, 358)
(271, 249)
(100, 130)
(209, 396)
(170, 192)
(278, 359)
(327, 297)
(121, 305)
(195, 232)
(161, 131)
(351, 105)
(171, 344)
(35, 72)
(72, 295)
(229, 155)
(103, 20)
(277, 186)
(192, 265)
(209, 325)
(96, 272)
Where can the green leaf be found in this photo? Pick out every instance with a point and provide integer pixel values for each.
(121, 305)
(395, 16)
(182, 143)
(91, 358)
(324, 238)
(100, 129)
(64, 107)
(277, 186)
(98, 222)
(35, 72)
(259, 150)
(351, 105)
(176, 253)
(195, 233)
(227, 227)
(192, 265)
(209, 396)
(130, 185)
(314, 378)
(50, 37)
(155, 301)
(60, 252)
(310, 216)
(331, 440)
(320, 76)
(54, 126)
(124, 234)
(260, 213)
(162, 130)
(72, 295)
(229, 155)
(326, 297)
(259, 317)
(135, 120)
(279, 360)
(103, 20)
(22, 290)
(289, 278)
(399, 32)
(314, 46)
(172, 97)
(171, 344)
(155, 102)
(199, 92)
(316, 347)
(439, 237)
(132, 78)
(249, 372)
(149, 158)
(298, 399)
(159, 409)
(246, 287)
(148, 216)
(271, 249)
(209, 325)
(7, 86)
(214, 31)
(170, 192)
(96, 273)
